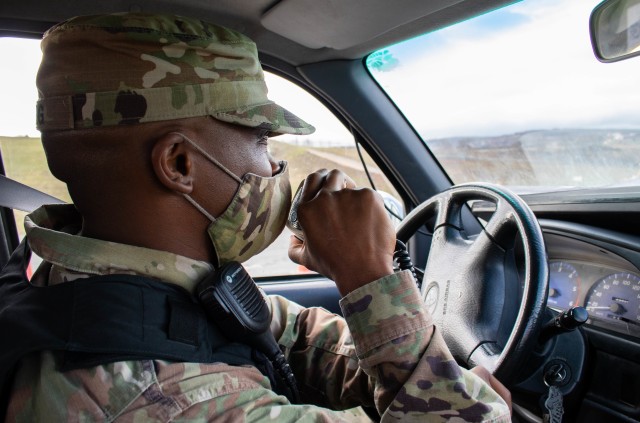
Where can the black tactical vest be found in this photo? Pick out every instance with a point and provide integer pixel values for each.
(104, 319)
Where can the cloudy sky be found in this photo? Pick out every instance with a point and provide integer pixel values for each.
(528, 66)
(18, 75)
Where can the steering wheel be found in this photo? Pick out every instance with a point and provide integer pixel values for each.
(472, 286)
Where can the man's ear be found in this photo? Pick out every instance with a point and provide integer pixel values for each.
(173, 163)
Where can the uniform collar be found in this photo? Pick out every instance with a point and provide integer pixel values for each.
(50, 231)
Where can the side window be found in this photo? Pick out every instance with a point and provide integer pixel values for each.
(22, 153)
(331, 146)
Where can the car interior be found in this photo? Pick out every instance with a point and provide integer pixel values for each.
(525, 237)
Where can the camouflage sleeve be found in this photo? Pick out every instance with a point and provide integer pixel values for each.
(398, 362)
(321, 352)
(416, 378)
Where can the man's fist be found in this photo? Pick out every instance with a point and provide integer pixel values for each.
(348, 236)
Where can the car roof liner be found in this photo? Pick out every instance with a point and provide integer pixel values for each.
(297, 32)
(333, 24)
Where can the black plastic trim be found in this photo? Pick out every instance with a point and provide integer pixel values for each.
(317, 292)
(604, 237)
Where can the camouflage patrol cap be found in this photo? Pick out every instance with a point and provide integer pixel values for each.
(132, 68)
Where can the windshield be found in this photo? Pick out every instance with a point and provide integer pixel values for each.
(516, 97)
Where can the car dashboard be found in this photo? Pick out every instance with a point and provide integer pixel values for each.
(596, 278)
(598, 268)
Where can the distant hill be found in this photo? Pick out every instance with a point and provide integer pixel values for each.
(574, 157)
(566, 157)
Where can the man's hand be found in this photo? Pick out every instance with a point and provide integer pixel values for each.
(348, 236)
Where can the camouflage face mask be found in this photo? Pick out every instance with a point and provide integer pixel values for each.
(255, 217)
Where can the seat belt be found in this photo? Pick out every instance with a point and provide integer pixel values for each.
(15, 195)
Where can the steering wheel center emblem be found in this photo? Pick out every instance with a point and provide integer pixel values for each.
(431, 297)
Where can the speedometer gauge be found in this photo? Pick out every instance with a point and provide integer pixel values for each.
(616, 298)
(564, 286)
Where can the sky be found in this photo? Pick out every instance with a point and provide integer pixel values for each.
(18, 75)
(446, 82)
(527, 66)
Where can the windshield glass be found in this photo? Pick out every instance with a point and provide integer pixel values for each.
(516, 97)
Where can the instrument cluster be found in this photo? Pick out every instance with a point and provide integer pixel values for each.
(610, 295)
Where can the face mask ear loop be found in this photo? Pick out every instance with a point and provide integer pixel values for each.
(199, 207)
(211, 158)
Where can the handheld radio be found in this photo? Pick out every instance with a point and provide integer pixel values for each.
(232, 300)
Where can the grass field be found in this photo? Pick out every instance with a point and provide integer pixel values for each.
(24, 161)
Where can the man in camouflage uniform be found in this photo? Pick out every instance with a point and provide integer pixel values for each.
(158, 124)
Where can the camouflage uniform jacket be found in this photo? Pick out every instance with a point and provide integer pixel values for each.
(390, 354)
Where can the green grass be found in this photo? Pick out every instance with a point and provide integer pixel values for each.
(24, 161)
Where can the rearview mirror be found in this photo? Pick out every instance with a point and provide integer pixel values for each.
(615, 30)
